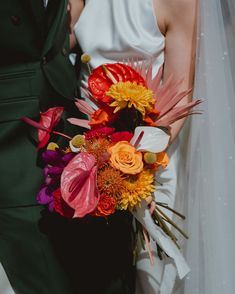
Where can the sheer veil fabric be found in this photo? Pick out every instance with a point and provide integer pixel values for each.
(208, 180)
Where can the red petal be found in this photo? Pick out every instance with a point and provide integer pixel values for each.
(99, 83)
(61, 206)
(125, 72)
(44, 139)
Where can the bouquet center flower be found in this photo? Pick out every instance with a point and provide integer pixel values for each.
(131, 94)
(126, 158)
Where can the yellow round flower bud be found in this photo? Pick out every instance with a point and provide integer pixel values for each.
(52, 146)
(150, 158)
(85, 58)
(78, 141)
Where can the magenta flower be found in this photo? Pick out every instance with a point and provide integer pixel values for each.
(55, 162)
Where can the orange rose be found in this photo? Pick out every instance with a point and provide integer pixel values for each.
(126, 158)
(106, 206)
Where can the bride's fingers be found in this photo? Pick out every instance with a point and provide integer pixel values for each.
(152, 206)
(149, 199)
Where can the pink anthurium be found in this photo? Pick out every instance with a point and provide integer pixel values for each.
(78, 184)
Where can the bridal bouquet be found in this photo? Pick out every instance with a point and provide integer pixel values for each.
(112, 165)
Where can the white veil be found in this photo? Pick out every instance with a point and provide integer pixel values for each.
(210, 166)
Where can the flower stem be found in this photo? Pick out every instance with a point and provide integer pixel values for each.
(34, 124)
(148, 246)
(172, 223)
(165, 228)
(171, 209)
(62, 135)
(37, 125)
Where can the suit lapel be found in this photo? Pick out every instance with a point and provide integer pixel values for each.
(38, 12)
(50, 22)
(56, 18)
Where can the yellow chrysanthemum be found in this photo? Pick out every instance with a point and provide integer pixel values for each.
(136, 188)
(128, 94)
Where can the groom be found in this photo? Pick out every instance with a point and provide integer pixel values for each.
(35, 74)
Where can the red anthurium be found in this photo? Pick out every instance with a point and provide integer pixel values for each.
(48, 119)
(99, 82)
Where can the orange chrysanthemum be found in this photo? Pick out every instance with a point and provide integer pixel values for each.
(98, 148)
(109, 181)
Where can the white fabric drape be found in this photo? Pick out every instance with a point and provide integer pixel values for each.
(209, 199)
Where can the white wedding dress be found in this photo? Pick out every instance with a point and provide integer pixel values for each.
(117, 30)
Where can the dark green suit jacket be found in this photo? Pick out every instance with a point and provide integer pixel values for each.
(35, 74)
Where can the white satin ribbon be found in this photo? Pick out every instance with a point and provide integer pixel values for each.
(143, 215)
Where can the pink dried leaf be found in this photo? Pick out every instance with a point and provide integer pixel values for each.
(173, 102)
(90, 97)
(154, 84)
(167, 122)
(84, 107)
(165, 93)
(178, 113)
(79, 122)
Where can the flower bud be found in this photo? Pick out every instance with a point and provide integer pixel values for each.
(76, 143)
(52, 146)
(150, 158)
(85, 58)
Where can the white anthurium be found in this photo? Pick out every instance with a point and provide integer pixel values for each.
(154, 139)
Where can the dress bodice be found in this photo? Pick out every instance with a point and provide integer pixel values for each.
(117, 30)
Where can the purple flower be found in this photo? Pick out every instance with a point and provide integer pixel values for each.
(52, 157)
(55, 162)
(44, 196)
